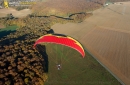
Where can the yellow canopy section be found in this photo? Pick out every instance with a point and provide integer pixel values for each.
(6, 4)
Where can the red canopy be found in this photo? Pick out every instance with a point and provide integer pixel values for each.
(63, 40)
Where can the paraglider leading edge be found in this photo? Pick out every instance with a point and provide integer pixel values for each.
(63, 40)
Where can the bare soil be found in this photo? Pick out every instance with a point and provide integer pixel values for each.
(65, 7)
(22, 13)
(106, 35)
(112, 48)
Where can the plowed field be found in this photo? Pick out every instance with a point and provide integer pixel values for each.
(106, 35)
(112, 47)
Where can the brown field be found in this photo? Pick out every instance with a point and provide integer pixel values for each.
(106, 35)
(22, 13)
(65, 7)
(112, 47)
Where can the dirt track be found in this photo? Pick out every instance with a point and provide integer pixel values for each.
(22, 13)
(107, 36)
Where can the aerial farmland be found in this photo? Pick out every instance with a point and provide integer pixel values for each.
(106, 35)
(99, 32)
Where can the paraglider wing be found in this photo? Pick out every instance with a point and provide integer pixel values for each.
(63, 40)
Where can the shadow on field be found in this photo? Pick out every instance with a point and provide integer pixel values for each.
(4, 33)
(42, 50)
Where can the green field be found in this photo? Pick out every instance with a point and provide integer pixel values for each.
(75, 70)
(7, 30)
